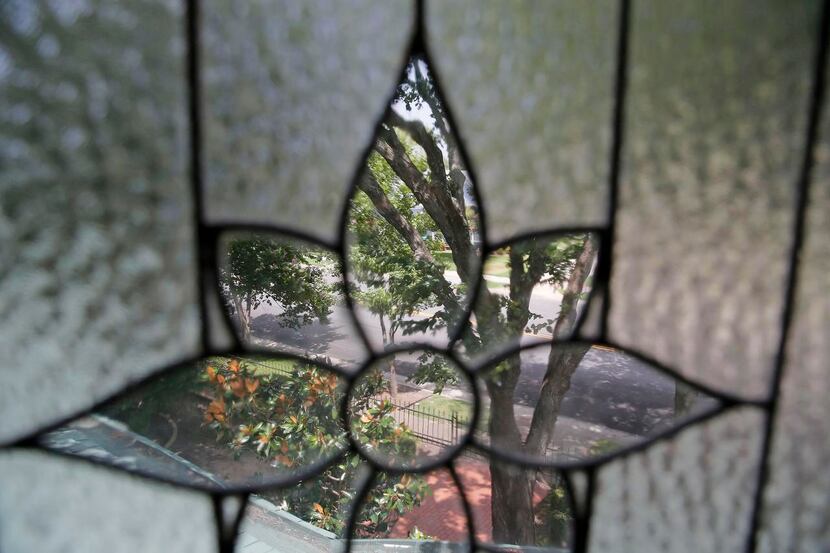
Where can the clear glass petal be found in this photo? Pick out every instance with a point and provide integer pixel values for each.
(222, 422)
(284, 294)
(413, 225)
(408, 512)
(576, 401)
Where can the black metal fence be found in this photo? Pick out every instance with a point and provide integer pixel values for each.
(432, 425)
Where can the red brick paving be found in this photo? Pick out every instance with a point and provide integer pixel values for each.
(441, 515)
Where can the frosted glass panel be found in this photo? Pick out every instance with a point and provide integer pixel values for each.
(292, 92)
(693, 493)
(797, 514)
(54, 504)
(96, 285)
(714, 138)
(532, 92)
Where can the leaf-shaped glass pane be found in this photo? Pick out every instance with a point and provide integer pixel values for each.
(411, 409)
(97, 286)
(219, 423)
(531, 512)
(413, 230)
(284, 294)
(53, 504)
(714, 140)
(426, 510)
(531, 87)
(534, 289)
(692, 493)
(555, 404)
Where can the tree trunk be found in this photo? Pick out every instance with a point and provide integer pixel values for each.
(243, 317)
(388, 338)
(511, 500)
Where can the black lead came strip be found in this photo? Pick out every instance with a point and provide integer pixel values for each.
(799, 230)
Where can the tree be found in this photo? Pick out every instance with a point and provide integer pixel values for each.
(390, 280)
(260, 270)
(435, 178)
(290, 419)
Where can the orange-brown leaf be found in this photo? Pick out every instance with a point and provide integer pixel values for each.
(251, 384)
(237, 387)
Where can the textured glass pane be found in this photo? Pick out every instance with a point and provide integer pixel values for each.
(715, 120)
(292, 91)
(797, 514)
(52, 504)
(532, 91)
(578, 401)
(286, 295)
(693, 493)
(96, 284)
(219, 422)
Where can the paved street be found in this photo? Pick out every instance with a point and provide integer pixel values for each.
(609, 388)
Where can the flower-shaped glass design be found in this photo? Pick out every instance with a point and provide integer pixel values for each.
(409, 379)
(399, 351)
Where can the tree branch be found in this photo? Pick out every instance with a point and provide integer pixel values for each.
(370, 186)
(563, 360)
(436, 200)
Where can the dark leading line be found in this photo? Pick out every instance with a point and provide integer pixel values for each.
(194, 97)
(606, 258)
(799, 231)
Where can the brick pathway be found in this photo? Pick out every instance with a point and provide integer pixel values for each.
(442, 514)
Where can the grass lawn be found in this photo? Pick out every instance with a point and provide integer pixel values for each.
(496, 285)
(445, 259)
(269, 366)
(263, 366)
(446, 406)
(496, 265)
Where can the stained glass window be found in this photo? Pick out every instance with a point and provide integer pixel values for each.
(414, 275)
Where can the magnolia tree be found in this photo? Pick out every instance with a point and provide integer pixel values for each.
(291, 419)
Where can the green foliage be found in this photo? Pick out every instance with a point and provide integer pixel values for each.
(293, 419)
(418, 535)
(261, 270)
(391, 281)
(553, 518)
(434, 369)
(603, 446)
